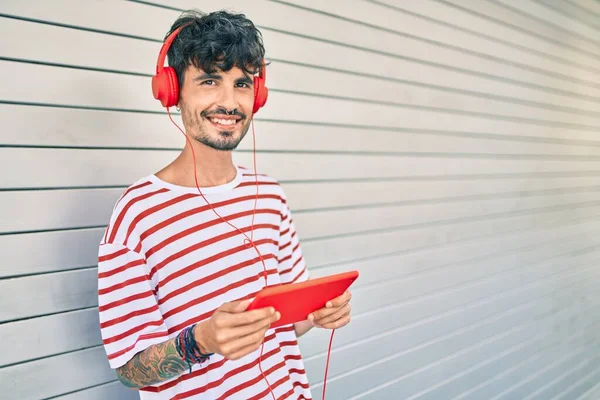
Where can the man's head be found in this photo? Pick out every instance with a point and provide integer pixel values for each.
(215, 57)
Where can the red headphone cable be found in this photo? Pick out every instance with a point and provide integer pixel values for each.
(248, 241)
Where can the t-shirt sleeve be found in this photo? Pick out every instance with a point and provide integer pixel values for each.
(292, 267)
(130, 320)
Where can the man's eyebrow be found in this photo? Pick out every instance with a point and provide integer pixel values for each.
(245, 79)
(208, 76)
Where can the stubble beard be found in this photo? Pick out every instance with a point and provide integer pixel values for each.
(225, 141)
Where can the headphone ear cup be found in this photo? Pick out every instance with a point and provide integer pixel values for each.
(261, 93)
(165, 87)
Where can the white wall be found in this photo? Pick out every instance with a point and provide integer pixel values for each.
(448, 149)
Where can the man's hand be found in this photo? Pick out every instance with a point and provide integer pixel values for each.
(234, 332)
(335, 314)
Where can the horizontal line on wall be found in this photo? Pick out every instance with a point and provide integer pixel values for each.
(447, 133)
(388, 79)
(77, 107)
(452, 244)
(430, 178)
(536, 355)
(413, 299)
(41, 189)
(81, 390)
(547, 23)
(474, 135)
(479, 259)
(375, 206)
(514, 27)
(75, 228)
(500, 40)
(421, 61)
(569, 15)
(572, 221)
(79, 28)
(445, 66)
(159, 5)
(590, 391)
(53, 355)
(455, 221)
(454, 199)
(54, 271)
(452, 310)
(354, 99)
(521, 83)
(485, 156)
(541, 372)
(383, 308)
(312, 357)
(447, 45)
(583, 9)
(45, 315)
(448, 89)
(487, 278)
(489, 37)
(458, 331)
(593, 128)
(595, 360)
(470, 348)
(70, 66)
(553, 174)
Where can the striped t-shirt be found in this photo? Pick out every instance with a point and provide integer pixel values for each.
(167, 261)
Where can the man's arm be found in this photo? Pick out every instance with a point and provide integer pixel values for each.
(158, 363)
(231, 332)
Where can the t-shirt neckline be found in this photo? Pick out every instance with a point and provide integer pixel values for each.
(205, 190)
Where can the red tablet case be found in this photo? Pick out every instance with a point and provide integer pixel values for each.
(295, 301)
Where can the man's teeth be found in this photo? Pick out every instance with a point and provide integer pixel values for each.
(224, 121)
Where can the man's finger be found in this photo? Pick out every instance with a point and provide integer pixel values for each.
(250, 317)
(338, 324)
(243, 338)
(235, 307)
(340, 300)
(338, 314)
(254, 317)
(234, 320)
(324, 312)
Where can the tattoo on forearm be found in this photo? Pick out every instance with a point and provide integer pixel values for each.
(156, 364)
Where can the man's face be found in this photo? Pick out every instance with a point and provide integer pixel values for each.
(216, 108)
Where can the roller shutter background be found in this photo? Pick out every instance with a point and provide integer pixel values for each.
(448, 149)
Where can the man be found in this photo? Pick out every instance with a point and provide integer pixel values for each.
(186, 250)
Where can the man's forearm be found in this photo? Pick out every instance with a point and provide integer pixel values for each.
(157, 363)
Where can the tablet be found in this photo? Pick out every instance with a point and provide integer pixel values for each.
(295, 301)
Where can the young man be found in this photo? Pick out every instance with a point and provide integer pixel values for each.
(179, 264)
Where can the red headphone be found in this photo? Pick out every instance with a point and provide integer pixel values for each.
(165, 86)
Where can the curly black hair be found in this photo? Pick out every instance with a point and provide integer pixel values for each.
(221, 39)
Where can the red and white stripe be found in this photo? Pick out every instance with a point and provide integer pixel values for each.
(168, 261)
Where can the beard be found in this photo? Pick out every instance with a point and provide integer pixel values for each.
(224, 140)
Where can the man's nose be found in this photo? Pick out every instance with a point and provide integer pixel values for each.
(228, 98)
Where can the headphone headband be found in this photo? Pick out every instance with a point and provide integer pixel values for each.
(165, 86)
(160, 63)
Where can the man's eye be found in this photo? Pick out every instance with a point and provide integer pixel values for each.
(242, 84)
(208, 82)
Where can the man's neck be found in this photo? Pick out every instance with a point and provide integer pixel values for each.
(213, 167)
